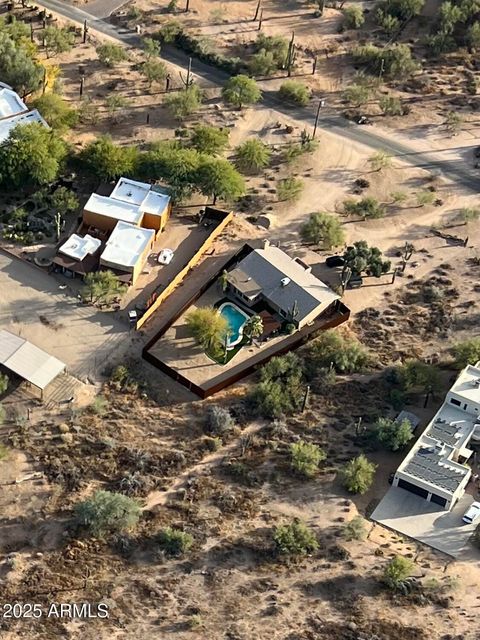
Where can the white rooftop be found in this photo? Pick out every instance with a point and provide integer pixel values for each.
(142, 195)
(467, 385)
(113, 208)
(28, 361)
(8, 124)
(10, 103)
(125, 246)
(78, 248)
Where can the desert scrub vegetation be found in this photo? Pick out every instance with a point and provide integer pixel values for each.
(107, 513)
(305, 458)
(397, 571)
(218, 421)
(252, 156)
(280, 389)
(392, 435)
(467, 352)
(324, 230)
(334, 350)
(174, 542)
(355, 529)
(295, 93)
(290, 188)
(294, 539)
(357, 475)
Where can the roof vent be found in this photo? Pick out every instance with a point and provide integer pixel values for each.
(476, 383)
(285, 281)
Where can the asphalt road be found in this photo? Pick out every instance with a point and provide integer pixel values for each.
(459, 170)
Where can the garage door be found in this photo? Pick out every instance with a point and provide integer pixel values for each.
(413, 488)
(439, 500)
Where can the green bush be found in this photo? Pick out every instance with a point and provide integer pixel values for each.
(218, 420)
(332, 349)
(252, 155)
(210, 140)
(294, 539)
(393, 61)
(174, 542)
(280, 389)
(106, 513)
(306, 458)
(111, 54)
(289, 189)
(107, 161)
(467, 352)
(391, 434)
(183, 103)
(396, 571)
(357, 475)
(415, 375)
(354, 17)
(4, 382)
(323, 229)
(367, 208)
(295, 92)
(355, 529)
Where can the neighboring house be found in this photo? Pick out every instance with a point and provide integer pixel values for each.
(434, 468)
(286, 284)
(137, 203)
(127, 249)
(13, 111)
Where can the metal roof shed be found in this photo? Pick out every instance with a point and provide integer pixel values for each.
(28, 361)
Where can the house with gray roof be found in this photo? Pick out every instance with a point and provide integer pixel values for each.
(435, 468)
(286, 284)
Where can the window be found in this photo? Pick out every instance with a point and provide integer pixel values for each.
(456, 402)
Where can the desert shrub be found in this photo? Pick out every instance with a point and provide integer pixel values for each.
(354, 17)
(289, 189)
(391, 434)
(111, 54)
(210, 140)
(397, 570)
(357, 94)
(170, 30)
(357, 475)
(367, 208)
(355, 529)
(294, 539)
(294, 92)
(183, 103)
(252, 155)
(240, 91)
(99, 405)
(391, 106)
(218, 420)
(4, 382)
(280, 388)
(394, 61)
(120, 375)
(323, 229)
(174, 542)
(105, 513)
(332, 349)
(469, 214)
(106, 160)
(467, 352)
(272, 47)
(306, 458)
(418, 375)
(360, 258)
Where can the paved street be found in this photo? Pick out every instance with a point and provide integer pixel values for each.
(456, 168)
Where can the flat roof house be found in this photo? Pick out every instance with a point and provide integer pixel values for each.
(286, 284)
(137, 203)
(13, 111)
(434, 468)
(127, 248)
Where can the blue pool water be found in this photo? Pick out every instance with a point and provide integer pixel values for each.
(236, 320)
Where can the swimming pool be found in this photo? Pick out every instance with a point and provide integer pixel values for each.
(236, 319)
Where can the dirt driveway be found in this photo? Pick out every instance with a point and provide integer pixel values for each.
(33, 307)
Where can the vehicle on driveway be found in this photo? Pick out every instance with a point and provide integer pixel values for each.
(334, 261)
(472, 514)
(165, 256)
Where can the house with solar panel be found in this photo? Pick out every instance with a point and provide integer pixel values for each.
(436, 467)
(117, 232)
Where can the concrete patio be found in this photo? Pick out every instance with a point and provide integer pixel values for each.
(426, 522)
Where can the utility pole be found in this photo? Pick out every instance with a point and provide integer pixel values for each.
(260, 20)
(320, 105)
(259, 5)
(187, 6)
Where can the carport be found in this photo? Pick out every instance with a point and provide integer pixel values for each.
(27, 361)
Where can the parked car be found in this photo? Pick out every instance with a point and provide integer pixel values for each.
(334, 261)
(472, 514)
(165, 256)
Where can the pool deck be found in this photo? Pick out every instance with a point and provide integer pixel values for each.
(177, 349)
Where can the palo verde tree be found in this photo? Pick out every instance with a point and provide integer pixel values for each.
(357, 475)
(102, 287)
(56, 111)
(324, 230)
(18, 67)
(32, 155)
(106, 160)
(217, 177)
(154, 71)
(337, 351)
(361, 258)
(107, 513)
(210, 140)
(57, 40)
(175, 165)
(240, 91)
(151, 48)
(182, 104)
(252, 156)
(208, 327)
